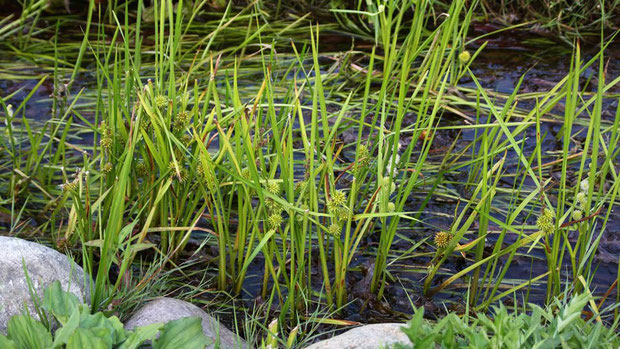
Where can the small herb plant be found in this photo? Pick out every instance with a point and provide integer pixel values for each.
(560, 325)
(81, 329)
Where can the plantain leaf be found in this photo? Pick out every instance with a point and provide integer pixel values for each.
(28, 333)
(182, 333)
(99, 323)
(140, 335)
(60, 303)
(84, 338)
(6, 343)
(64, 333)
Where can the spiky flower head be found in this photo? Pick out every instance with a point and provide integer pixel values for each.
(273, 206)
(582, 200)
(106, 136)
(178, 172)
(173, 166)
(180, 121)
(107, 167)
(577, 215)
(273, 187)
(301, 185)
(464, 57)
(161, 101)
(334, 230)
(145, 123)
(442, 239)
(387, 183)
(141, 169)
(186, 139)
(183, 117)
(246, 174)
(70, 186)
(339, 198)
(182, 175)
(585, 185)
(363, 155)
(391, 207)
(274, 220)
(546, 221)
(341, 213)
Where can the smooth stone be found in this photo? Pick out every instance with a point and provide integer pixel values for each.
(366, 337)
(163, 310)
(44, 266)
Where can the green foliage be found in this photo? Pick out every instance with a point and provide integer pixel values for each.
(231, 126)
(560, 325)
(81, 329)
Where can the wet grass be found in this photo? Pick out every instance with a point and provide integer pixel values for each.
(232, 157)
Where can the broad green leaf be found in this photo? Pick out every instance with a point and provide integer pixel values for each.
(63, 334)
(99, 321)
(141, 334)
(182, 333)
(84, 338)
(60, 303)
(6, 343)
(28, 333)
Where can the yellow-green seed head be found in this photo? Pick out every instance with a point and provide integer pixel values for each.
(183, 117)
(274, 220)
(70, 186)
(106, 142)
(387, 183)
(464, 57)
(106, 136)
(546, 221)
(145, 123)
(172, 166)
(585, 185)
(141, 169)
(161, 101)
(582, 200)
(182, 176)
(442, 239)
(363, 155)
(577, 215)
(334, 230)
(339, 198)
(301, 185)
(246, 174)
(180, 121)
(107, 167)
(273, 206)
(341, 213)
(549, 213)
(273, 187)
(391, 207)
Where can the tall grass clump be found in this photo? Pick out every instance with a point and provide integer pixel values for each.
(293, 168)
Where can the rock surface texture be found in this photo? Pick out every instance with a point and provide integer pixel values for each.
(167, 309)
(44, 266)
(366, 337)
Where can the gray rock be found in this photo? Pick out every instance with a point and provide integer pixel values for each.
(44, 266)
(366, 337)
(163, 310)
